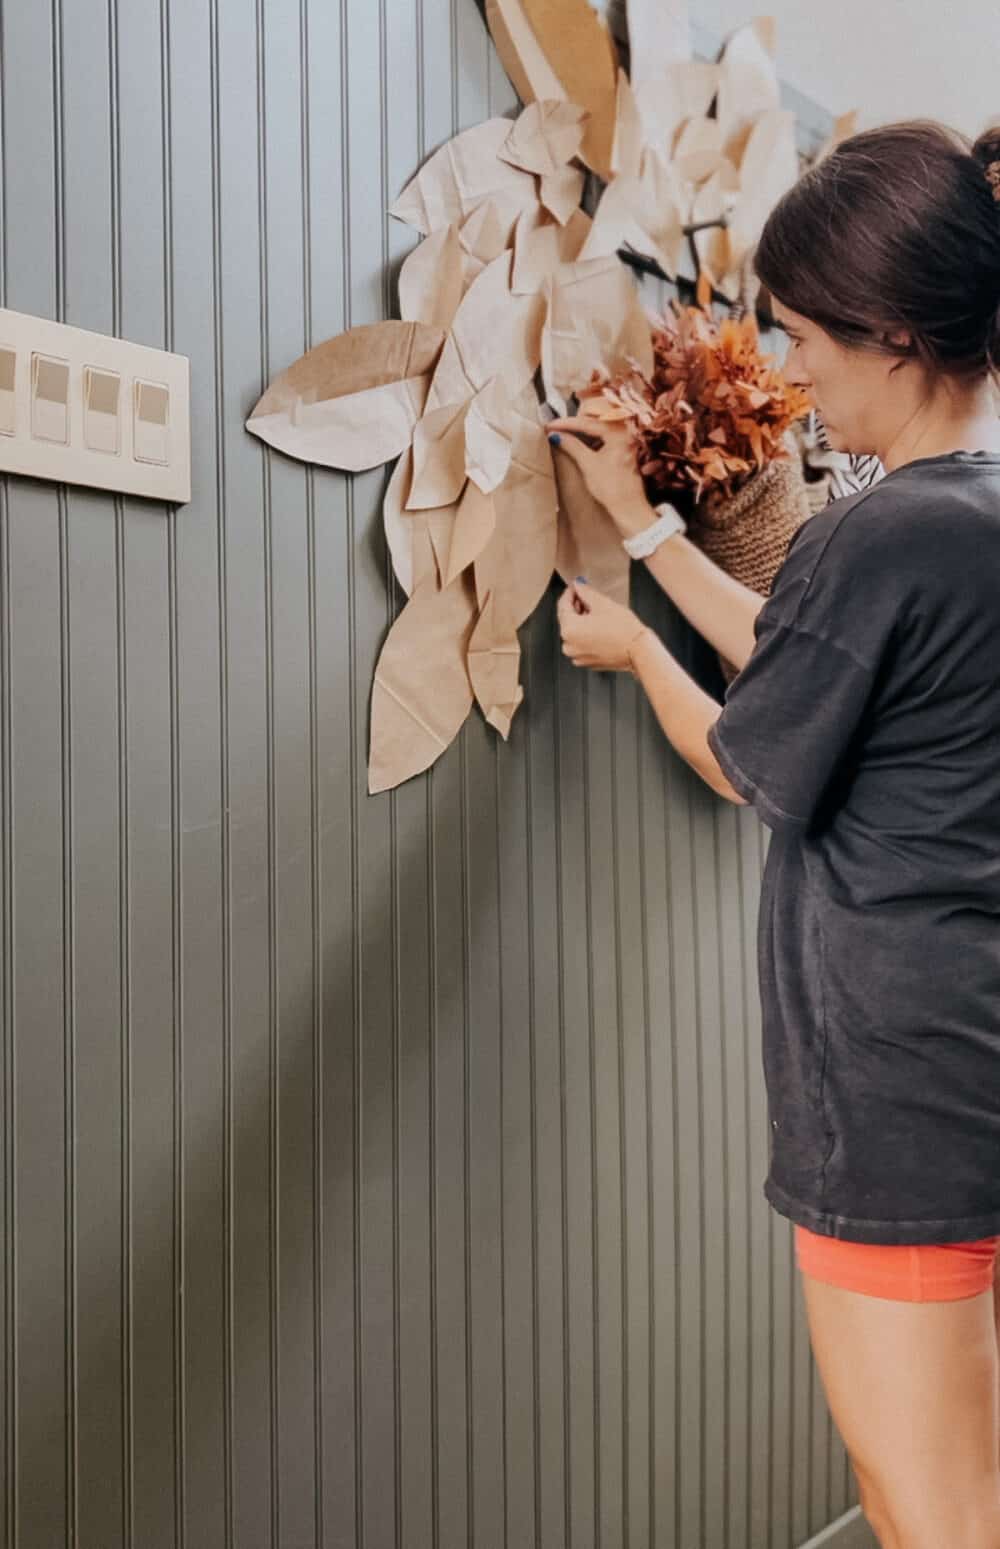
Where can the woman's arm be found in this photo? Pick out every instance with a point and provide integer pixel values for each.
(720, 609)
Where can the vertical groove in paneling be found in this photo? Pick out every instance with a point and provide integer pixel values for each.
(8, 1371)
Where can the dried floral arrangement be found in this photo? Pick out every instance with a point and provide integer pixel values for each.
(712, 413)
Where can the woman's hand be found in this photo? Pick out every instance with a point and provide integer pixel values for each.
(597, 632)
(608, 467)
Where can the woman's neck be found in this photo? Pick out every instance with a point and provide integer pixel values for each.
(950, 420)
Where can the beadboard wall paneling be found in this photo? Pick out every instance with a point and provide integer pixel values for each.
(375, 1172)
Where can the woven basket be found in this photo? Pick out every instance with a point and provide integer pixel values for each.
(748, 535)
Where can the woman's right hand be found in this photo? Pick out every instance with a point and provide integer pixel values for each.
(608, 467)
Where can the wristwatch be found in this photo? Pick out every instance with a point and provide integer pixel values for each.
(644, 543)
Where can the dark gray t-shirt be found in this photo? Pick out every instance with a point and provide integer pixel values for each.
(865, 729)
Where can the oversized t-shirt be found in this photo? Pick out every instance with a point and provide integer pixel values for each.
(865, 729)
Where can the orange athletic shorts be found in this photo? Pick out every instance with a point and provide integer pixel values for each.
(925, 1272)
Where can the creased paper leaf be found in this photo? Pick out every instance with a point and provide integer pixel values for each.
(418, 541)
(353, 401)
(489, 430)
(422, 693)
(438, 458)
(643, 212)
(545, 137)
(589, 544)
(659, 35)
(626, 149)
(541, 245)
(748, 87)
(462, 174)
(431, 281)
(494, 334)
(484, 236)
(561, 192)
(579, 47)
(494, 666)
(475, 519)
(594, 318)
(516, 565)
(769, 168)
(666, 101)
(698, 152)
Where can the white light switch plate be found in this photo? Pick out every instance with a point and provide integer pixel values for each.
(83, 408)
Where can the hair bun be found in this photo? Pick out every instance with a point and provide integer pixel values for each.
(987, 152)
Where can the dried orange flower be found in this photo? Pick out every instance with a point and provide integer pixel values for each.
(714, 412)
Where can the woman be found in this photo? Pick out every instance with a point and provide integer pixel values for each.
(865, 728)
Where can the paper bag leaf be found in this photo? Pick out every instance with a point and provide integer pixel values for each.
(353, 401)
(545, 137)
(698, 152)
(659, 35)
(521, 54)
(579, 47)
(516, 565)
(561, 192)
(422, 694)
(769, 168)
(483, 235)
(748, 87)
(489, 430)
(594, 318)
(589, 543)
(666, 101)
(494, 666)
(540, 246)
(494, 334)
(438, 458)
(431, 281)
(462, 174)
(475, 519)
(418, 541)
(626, 147)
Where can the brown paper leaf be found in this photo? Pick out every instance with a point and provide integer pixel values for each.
(494, 334)
(594, 318)
(438, 458)
(561, 192)
(627, 143)
(474, 523)
(770, 167)
(353, 401)
(416, 540)
(521, 54)
(748, 87)
(685, 91)
(541, 245)
(545, 137)
(489, 430)
(698, 152)
(483, 236)
(422, 694)
(494, 666)
(431, 281)
(659, 35)
(589, 544)
(516, 565)
(462, 174)
(577, 43)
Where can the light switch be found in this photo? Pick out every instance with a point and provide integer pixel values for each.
(101, 401)
(151, 428)
(50, 399)
(8, 382)
(85, 408)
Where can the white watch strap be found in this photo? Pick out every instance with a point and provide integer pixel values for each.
(644, 543)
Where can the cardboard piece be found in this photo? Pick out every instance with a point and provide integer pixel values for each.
(463, 174)
(521, 54)
(659, 35)
(541, 245)
(494, 666)
(432, 280)
(353, 401)
(593, 318)
(748, 87)
(438, 458)
(589, 544)
(581, 51)
(561, 192)
(422, 694)
(494, 333)
(545, 137)
(489, 432)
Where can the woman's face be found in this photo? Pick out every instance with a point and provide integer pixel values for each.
(854, 390)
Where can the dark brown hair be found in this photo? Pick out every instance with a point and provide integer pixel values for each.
(897, 228)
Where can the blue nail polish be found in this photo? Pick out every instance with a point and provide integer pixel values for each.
(583, 578)
(555, 438)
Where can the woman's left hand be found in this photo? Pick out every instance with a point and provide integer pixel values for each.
(597, 632)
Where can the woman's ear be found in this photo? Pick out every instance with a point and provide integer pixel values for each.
(898, 339)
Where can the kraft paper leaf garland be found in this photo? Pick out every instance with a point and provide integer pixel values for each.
(512, 283)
